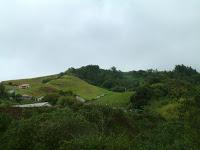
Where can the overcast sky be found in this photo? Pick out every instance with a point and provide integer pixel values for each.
(40, 37)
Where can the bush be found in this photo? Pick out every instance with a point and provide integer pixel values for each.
(60, 75)
(66, 93)
(109, 84)
(51, 98)
(141, 97)
(18, 98)
(66, 101)
(5, 103)
(5, 121)
(167, 136)
(3, 93)
(10, 83)
(46, 80)
(118, 89)
(98, 143)
(46, 131)
(159, 90)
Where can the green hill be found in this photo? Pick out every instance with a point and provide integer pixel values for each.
(44, 85)
(39, 88)
(115, 99)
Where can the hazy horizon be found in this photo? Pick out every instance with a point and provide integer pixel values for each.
(39, 38)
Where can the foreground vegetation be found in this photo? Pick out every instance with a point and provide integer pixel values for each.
(92, 127)
(158, 111)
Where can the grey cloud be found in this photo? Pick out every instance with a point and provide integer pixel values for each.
(44, 37)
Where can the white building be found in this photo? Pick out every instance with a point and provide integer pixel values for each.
(24, 86)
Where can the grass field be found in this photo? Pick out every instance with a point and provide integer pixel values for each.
(64, 83)
(115, 99)
(168, 109)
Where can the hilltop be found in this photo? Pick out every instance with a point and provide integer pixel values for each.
(41, 86)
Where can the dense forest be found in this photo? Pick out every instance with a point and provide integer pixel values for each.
(162, 114)
(114, 79)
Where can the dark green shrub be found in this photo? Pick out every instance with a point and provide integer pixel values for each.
(3, 93)
(5, 121)
(98, 143)
(141, 97)
(18, 98)
(46, 131)
(51, 98)
(47, 80)
(66, 100)
(118, 89)
(66, 93)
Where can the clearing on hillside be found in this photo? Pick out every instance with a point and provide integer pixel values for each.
(115, 99)
(43, 85)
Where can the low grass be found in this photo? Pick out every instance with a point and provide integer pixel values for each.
(64, 83)
(168, 109)
(115, 99)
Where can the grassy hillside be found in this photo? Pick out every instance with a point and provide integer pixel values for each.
(166, 107)
(115, 99)
(65, 83)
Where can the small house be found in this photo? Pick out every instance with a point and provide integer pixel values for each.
(24, 86)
